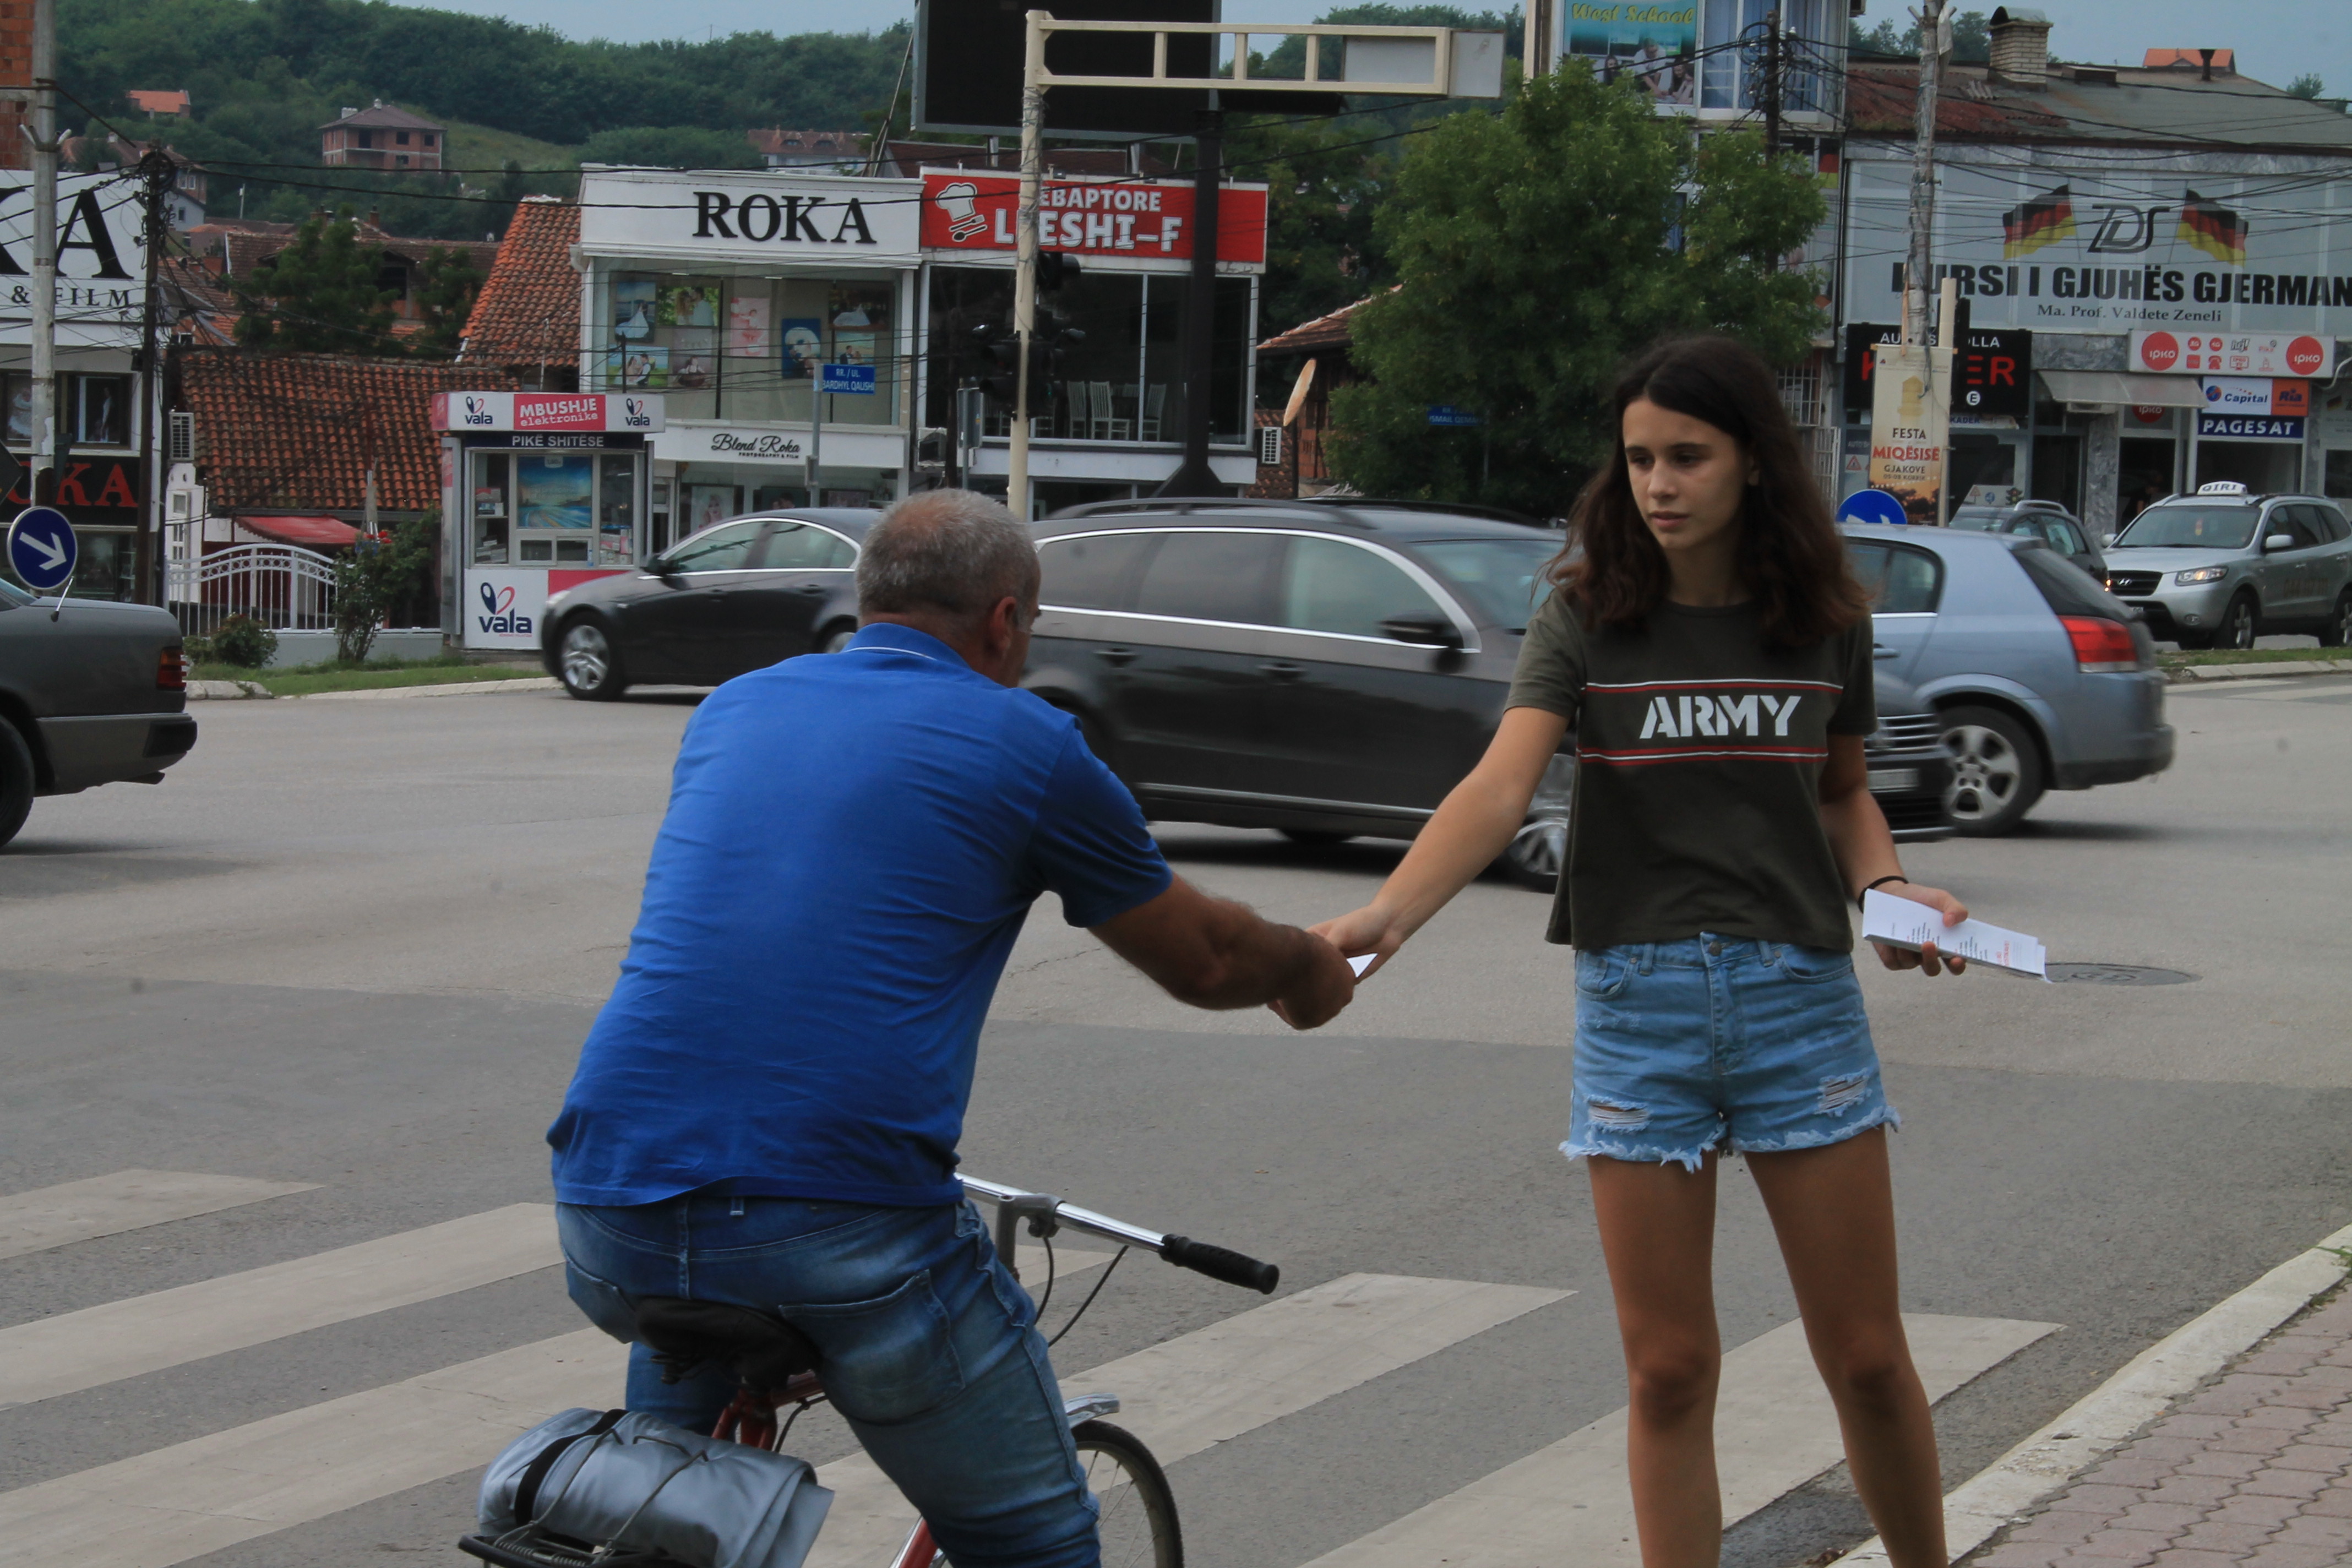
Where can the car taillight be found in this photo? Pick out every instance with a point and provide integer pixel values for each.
(171, 670)
(2101, 646)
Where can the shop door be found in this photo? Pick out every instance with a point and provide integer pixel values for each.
(682, 631)
(2143, 475)
(800, 568)
(2058, 471)
(2264, 468)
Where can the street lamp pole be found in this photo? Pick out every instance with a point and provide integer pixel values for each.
(1024, 281)
(1917, 265)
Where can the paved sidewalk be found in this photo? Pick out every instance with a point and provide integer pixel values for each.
(2251, 1471)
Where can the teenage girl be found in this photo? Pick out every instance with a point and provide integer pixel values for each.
(1709, 642)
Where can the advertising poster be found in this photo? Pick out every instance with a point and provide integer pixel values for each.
(803, 344)
(1655, 44)
(860, 304)
(707, 504)
(635, 364)
(551, 489)
(688, 305)
(693, 351)
(747, 326)
(1910, 427)
(857, 348)
(633, 308)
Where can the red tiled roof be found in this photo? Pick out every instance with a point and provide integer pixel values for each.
(292, 430)
(382, 114)
(1323, 332)
(332, 533)
(1884, 99)
(2162, 59)
(157, 100)
(529, 312)
(244, 244)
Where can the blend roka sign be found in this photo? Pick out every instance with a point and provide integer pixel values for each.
(1120, 220)
(1910, 427)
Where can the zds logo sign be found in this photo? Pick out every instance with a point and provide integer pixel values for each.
(498, 617)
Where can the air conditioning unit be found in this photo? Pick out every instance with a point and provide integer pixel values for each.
(182, 439)
(1270, 446)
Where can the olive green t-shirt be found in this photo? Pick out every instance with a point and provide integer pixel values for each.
(1698, 767)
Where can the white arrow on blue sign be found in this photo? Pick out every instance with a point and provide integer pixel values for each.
(42, 548)
(857, 380)
(1447, 414)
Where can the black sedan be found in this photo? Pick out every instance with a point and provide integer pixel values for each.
(96, 695)
(1327, 671)
(738, 596)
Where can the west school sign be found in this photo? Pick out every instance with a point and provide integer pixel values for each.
(749, 216)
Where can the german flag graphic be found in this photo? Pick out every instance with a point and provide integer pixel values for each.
(2213, 229)
(2046, 218)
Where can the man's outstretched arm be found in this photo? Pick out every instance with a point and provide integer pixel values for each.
(1213, 953)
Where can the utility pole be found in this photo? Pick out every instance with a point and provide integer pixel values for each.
(157, 175)
(44, 251)
(1193, 477)
(1534, 45)
(1918, 268)
(1772, 84)
(1024, 279)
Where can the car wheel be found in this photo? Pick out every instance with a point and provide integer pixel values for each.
(1314, 837)
(2337, 632)
(17, 781)
(2237, 627)
(832, 639)
(587, 662)
(1532, 858)
(1996, 771)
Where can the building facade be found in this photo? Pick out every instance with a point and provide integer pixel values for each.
(381, 137)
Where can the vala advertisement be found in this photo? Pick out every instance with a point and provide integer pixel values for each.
(2086, 247)
(638, 412)
(502, 607)
(1910, 427)
(1140, 221)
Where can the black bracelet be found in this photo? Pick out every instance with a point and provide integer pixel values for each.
(1897, 877)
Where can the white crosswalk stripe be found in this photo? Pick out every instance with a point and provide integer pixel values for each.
(126, 1200)
(1568, 1505)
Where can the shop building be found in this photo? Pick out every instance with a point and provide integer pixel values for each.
(2157, 261)
(1108, 424)
(774, 315)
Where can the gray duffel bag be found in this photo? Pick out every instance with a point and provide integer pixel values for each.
(599, 1476)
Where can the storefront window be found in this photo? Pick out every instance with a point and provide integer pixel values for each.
(553, 509)
(492, 533)
(749, 348)
(92, 410)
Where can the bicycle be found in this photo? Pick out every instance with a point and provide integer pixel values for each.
(777, 1366)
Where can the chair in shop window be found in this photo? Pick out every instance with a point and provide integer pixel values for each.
(1073, 395)
(1155, 399)
(1106, 425)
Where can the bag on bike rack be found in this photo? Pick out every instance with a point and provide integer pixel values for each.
(601, 1475)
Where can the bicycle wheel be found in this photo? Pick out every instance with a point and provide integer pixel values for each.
(1139, 1511)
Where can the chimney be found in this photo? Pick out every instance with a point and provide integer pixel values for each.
(2021, 46)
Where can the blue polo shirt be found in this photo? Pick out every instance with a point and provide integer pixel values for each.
(853, 842)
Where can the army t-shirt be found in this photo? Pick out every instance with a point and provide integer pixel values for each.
(1698, 768)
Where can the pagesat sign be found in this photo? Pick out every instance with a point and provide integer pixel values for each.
(1136, 220)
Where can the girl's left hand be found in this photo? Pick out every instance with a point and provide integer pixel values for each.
(1926, 960)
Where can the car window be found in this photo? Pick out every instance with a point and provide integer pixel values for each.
(2289, 521)
(2333, 522)
(1206, 574)
(1092, 571)
(2066, 587)
(12, 595)
(1332, 585)
(1899, 580)
(1506, 576)
(805, 547)
(1979, 520)
(2189, 528)
(727, 548)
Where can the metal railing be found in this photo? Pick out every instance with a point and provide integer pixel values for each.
(283, 586)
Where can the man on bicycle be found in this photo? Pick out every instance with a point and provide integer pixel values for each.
(766, 1112)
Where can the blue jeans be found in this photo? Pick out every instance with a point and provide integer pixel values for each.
(1682, 1047)
(928, 1346)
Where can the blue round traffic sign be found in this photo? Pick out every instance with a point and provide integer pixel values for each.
(1871, 506)
(42, 548)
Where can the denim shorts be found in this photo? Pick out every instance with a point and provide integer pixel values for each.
(1683, 1046)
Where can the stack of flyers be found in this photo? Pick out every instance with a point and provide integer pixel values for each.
(1899, 922)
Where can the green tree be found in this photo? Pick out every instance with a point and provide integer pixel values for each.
(1323, 186)
(1535, 251)
(319, 295)
(2305, 86)
(1971, 39)
(445, 299)
(378, 577)
(671, 147)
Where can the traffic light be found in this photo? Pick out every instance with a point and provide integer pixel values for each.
(998, 355)
(1054, 268)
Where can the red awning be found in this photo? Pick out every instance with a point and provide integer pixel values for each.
(318, 532)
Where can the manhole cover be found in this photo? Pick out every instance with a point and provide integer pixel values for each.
(2115, 975)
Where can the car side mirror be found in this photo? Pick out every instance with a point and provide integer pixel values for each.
(2278, 541)
(2106, 541)
(1423, 630)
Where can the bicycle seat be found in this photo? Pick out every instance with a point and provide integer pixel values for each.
(765, 1351)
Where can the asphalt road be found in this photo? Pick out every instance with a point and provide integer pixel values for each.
(356, 943)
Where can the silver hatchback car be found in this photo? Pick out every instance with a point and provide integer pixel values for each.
(2222, 568)
(2044, 681)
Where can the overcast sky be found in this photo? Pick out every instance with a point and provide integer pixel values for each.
(2276, 40)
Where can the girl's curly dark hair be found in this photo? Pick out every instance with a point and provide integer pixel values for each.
(1791, 558)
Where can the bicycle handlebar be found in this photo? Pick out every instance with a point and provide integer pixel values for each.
(1218, 1263)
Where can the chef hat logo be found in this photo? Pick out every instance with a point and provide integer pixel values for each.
(958, 202)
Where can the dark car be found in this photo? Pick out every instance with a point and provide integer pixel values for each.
(1324, 670)
(2046, 521)
(735, 597)
(96, 695)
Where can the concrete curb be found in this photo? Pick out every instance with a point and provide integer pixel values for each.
(2185, 674)
(452, 688)
(226, 691)
(2144, 1390)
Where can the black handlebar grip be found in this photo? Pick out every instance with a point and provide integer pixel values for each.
(1220, 1263)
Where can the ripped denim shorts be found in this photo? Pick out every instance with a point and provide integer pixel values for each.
(1681, 1046)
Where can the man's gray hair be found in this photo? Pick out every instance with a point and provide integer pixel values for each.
(956, 551)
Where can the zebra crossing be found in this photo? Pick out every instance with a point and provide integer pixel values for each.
(181, 1500)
